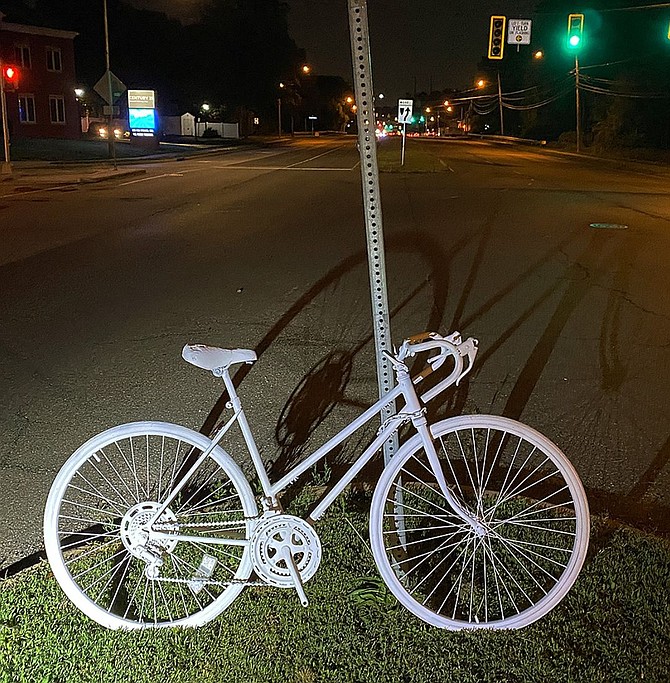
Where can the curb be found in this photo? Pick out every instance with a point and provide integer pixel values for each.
(87, 180)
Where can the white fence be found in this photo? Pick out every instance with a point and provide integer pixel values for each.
(186, 126)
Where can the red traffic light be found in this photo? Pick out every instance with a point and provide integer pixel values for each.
(10, 75)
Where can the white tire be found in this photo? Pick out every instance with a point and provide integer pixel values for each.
(532, 525)
(95, 528)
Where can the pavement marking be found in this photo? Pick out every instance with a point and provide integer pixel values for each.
(153, 177)
(297, 163)
(41, 189)
(283, 168)
(444, 163)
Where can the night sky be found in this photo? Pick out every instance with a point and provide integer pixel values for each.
(425, 43)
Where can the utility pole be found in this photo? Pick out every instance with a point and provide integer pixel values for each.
(577, 102)
(279, 117)
(500, 105)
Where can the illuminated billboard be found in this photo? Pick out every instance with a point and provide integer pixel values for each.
(142, 122)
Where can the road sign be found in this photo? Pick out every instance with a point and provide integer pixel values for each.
(518, 31)
(102, 87)
(405, 111)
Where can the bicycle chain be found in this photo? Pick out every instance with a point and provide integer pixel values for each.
(234, 582)
(196, 525)
(199, 525)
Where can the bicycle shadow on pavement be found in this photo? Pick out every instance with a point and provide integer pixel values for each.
(324, 386)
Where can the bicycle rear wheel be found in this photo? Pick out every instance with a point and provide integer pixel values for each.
(531, 540)
(95, 528)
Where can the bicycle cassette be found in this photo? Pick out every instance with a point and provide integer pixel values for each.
(272, 537)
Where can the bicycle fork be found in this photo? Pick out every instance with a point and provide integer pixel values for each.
(420, 423)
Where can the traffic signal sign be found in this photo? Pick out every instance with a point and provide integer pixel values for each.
(497, 37)
(10, 76)
(575, 31)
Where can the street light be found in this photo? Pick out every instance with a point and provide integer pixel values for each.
(481, 83)
(538, 55)
(204, 108)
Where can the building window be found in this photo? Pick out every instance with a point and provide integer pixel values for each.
(57, 108)
(54, 61)
(22, 56)
(27, 109)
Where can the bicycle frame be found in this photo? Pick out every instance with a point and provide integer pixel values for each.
(413, 411)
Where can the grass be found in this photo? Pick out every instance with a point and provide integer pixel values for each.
(419, 158)
(613, 626)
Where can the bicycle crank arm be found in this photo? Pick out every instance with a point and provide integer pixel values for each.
(286, 554)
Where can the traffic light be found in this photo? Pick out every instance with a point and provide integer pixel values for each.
(10, 76)
(497, 37)
(575, 31)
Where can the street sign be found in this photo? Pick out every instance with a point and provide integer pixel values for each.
(102, 87)
(518, 31)
(405, 111)
(111, 111)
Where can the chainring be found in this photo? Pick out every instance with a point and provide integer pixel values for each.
(280, 531)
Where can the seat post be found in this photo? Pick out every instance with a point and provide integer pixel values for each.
(236, 405)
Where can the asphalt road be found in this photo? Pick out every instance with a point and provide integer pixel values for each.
(101, 285)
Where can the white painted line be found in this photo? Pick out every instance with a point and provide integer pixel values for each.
(444, 163)
(306, 161)
(144, 180)
(281, 168)
(41, 189)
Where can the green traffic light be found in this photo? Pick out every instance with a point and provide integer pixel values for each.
(575, 30)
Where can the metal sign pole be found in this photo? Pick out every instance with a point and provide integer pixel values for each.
(110, 95)
(6, 165)
(367, 145)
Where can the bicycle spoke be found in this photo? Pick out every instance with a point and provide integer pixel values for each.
(516, 560)
(134, 576)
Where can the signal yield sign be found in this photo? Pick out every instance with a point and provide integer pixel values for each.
(518, 31)
(405, 111)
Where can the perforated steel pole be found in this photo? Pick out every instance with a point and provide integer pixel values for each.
(362, 66)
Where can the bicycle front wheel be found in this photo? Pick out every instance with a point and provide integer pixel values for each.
(527, 542)
(184, 571)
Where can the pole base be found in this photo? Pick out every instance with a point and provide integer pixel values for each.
(5, 169)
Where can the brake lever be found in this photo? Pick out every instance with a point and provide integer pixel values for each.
(468, 348)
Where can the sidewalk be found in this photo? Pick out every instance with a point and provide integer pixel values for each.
(43, 163)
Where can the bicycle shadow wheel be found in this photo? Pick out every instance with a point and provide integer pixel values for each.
(331, 328)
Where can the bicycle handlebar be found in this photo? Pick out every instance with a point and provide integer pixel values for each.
(451, 345)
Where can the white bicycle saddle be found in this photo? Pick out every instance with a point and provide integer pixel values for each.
(213, 358)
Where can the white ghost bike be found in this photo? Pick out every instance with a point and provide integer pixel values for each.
(477, 521)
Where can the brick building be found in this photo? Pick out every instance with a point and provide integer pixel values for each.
(44, 104)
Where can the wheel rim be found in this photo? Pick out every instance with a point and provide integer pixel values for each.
(110, 564)
(528, 543)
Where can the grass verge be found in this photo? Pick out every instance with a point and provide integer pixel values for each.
(613, 626)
